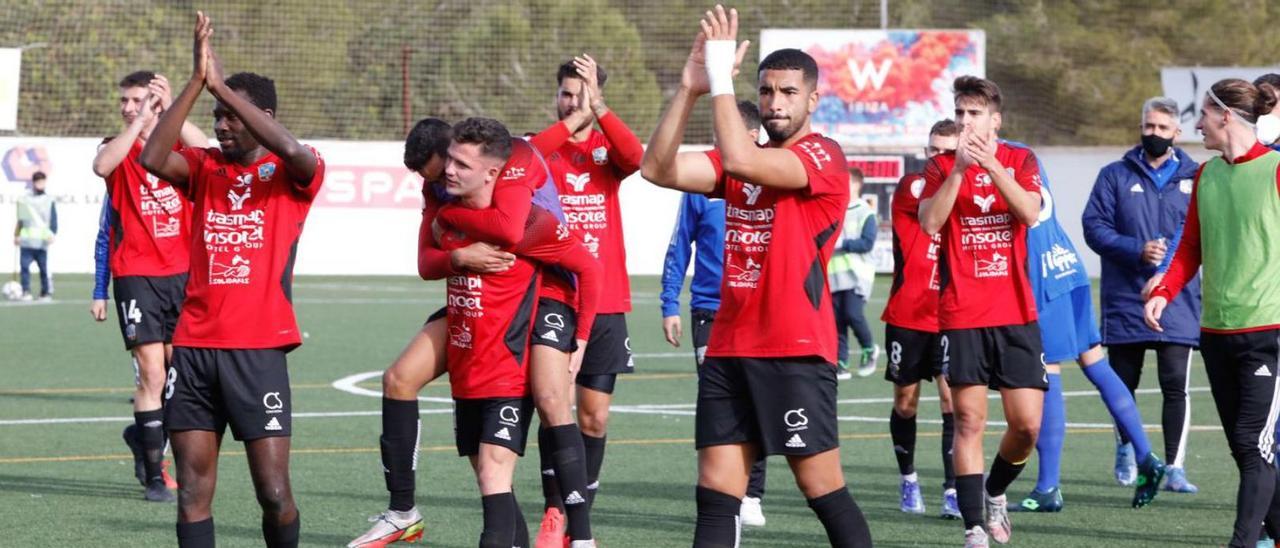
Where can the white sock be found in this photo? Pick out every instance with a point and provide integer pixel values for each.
(912, 477)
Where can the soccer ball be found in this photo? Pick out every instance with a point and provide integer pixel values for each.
(12, 290)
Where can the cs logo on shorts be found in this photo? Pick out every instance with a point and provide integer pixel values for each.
(509, 414)
(273, 403)
(795, 419)
(554, 320)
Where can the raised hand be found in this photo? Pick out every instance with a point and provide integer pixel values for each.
(159, 87)
(200, 47)
(694, 75)
(581, 115)
(589, 72)
(215, 77)
(152, 106)
(722, 54)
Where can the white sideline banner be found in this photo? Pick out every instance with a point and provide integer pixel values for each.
(364, 222)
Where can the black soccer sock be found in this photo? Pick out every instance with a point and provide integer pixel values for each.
(969, 498)
(499, 521)
(571, 476)
(546, 464)
(718, 524)
(521, 537)
(1002, 474)
(948, 443)
(903, 431)
(197, 534)
(151, 437)
(840, 516)
(281, 536)
(755, 481)
(594, 448)
(401, 429)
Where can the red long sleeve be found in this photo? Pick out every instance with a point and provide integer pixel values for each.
(433, 262)
(551, 139)
(627, 150)
(501, 224)
(1186, 259)
(547, 242)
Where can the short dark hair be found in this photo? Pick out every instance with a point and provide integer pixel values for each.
(792, 59)
(429, 137)
(1268, 78)
(490, 134)
(260, 89)
(856, 173)
(138, 79)
(944, 128)
(982, 89)
(568, 70)
(38, 176)
(750, 114)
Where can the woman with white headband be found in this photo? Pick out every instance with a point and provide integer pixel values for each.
(1232, 231)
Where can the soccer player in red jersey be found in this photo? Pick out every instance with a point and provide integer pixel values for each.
(552, 349)
(981, 199)
(911, 331)
(588, 167)
(490, 320)
(150, 243)
(251, 197)
(769, 381)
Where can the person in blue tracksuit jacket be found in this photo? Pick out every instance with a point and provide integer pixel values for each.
(700, 225)
(1133, 220)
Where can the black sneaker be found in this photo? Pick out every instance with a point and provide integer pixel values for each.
(130, 436)
(1150, 472)
(157, 492)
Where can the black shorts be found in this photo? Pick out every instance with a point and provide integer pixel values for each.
(1009, 356)
(914, 356)
(786, 405)
(441, 314)
(209, 388)
(148, 307)
(555, 325)
(496, 421)
(608, 353)
(702, 320)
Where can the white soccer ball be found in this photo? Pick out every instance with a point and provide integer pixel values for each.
(12, 290)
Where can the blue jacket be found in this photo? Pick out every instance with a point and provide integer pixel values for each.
(701, 223)
(1125, 211)
(102, 253)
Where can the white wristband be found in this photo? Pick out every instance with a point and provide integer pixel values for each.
(720, 56)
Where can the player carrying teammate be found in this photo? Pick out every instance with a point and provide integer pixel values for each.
(911, 332)
(150, 252)
(588, 167)
(768, 383)
(700, 224)
(251, 197)
(986, 312)
(490, 318)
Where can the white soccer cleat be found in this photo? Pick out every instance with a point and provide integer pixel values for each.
(752, 513)
(391, 526)
(998, 525)
(975, 538)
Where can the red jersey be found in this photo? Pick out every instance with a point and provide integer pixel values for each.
(773, 300)
(913, 298)
(588, 176)
(151, 232)
(491, 315)
(984, 252)
(248, 220)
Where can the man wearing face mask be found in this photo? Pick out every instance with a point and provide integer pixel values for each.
(1136, 209)
(1268, 125)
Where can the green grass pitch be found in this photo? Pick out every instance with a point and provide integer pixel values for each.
(66, 478)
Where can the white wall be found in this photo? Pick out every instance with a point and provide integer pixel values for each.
(365, 220)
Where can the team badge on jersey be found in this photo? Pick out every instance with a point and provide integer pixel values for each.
(265, 171)
(600, 156)
(1185, 186)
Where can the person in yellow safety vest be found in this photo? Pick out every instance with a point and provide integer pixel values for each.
(37, 224)
(850, 275)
